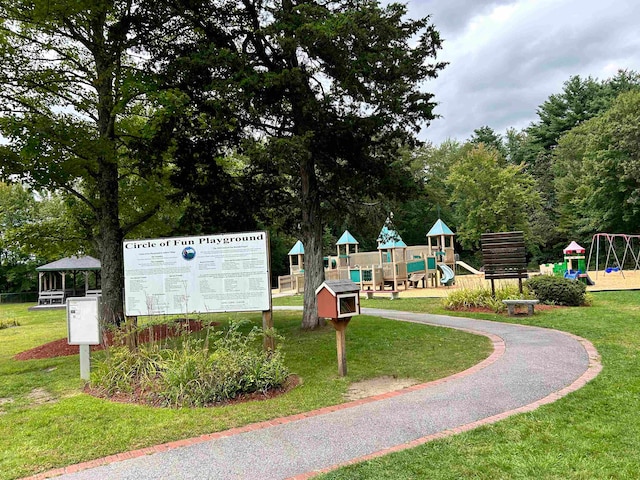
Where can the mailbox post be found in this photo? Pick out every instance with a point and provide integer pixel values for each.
(338, 301)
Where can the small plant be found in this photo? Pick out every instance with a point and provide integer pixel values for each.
(198, 372)
(557, 290)
(125, 371)
(480, 297)
(8, 323)
(235, 365)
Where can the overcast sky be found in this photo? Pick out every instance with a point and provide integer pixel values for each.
(507, 56)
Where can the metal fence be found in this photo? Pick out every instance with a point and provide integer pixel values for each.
(22, 297)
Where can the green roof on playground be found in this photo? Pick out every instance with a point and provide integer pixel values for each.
(298, 249)
(389, 238)
(439, 228)
(347, 239)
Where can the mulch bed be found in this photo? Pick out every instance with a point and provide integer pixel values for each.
(60, 348)
(540, 306)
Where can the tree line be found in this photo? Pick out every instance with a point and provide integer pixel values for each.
(571, 173)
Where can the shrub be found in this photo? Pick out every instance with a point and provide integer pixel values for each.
(466, 298)
(557, 290)
(8, 323)
(201, 371)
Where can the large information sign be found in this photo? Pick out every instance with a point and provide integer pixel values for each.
(212, 273)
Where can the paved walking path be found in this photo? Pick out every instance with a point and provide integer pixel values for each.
(529, 367)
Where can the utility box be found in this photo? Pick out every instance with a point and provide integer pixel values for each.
(83, 320)
(83, 327)
(338, 299)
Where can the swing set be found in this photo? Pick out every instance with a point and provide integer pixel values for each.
(613, 244)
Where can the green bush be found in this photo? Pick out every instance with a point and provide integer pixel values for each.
(8, 323)
(467, 298)
(201, 371)
(557, 290)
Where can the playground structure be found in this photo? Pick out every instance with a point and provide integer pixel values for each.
(612, 244)
(393, 264)
(573, 267)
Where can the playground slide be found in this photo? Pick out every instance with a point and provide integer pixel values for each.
(466, 266)
(589, 281)
(571, 275)
(447, 275)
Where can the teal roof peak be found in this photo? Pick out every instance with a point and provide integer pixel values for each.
(389, 238)
(347, 239)
(298, 249)
(439, 228)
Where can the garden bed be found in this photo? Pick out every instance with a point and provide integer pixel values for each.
(60, 348)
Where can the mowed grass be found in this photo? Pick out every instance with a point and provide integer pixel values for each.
(593, 433)
(46, 421)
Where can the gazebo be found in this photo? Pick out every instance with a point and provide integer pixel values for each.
(53, 287)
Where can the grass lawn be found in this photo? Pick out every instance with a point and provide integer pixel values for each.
(47, 422)
(593, 433)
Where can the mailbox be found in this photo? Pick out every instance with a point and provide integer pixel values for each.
(338, 299)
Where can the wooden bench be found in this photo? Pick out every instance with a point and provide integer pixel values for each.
(395, 294)
(512, 304)
(50, 298)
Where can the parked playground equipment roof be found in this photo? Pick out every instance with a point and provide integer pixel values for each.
(389, 238)
(298, 249)
(573, 247)
(439, 228)
(347, 239)
(71, 264)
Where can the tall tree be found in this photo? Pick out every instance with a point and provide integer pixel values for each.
(68, 79)
(597, 165)
(488, 136)
(579, 100)
(489, 197)
(330, 90)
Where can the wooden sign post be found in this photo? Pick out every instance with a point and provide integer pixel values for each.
(341, 343)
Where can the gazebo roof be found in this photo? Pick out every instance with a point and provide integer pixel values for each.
(298, 249)
(347, 239)
(439, 228)
(71, 264)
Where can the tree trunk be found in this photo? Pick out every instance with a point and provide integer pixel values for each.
(312, 239)
(111, 257)
(110, 231)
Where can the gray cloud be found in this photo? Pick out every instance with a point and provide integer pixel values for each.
(452, 16)
(499, 74)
